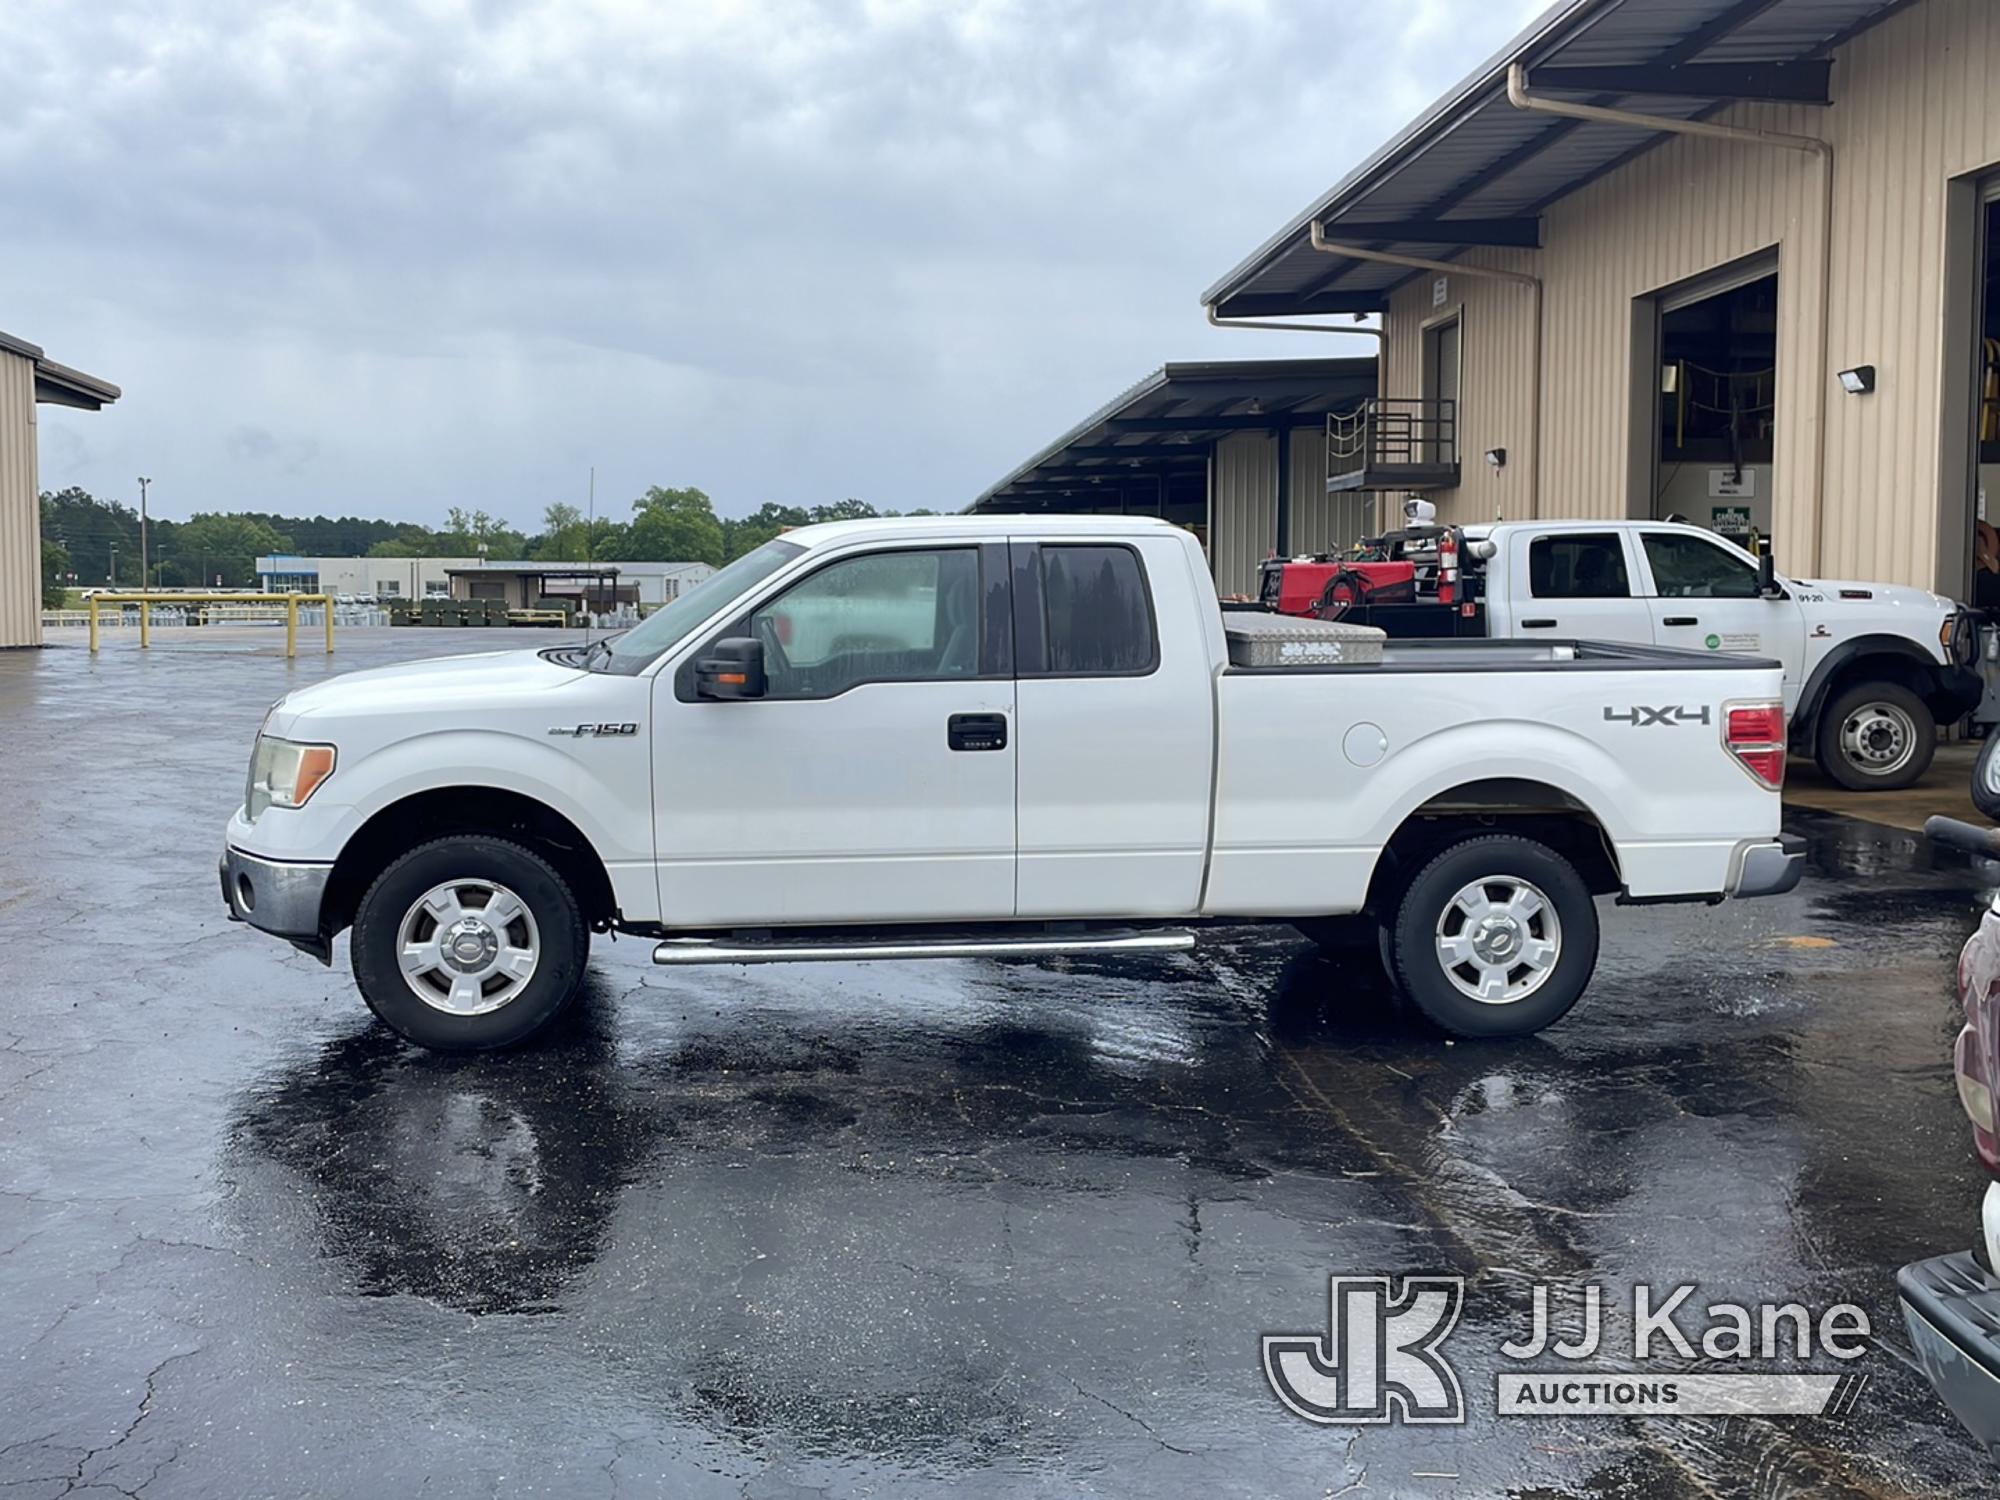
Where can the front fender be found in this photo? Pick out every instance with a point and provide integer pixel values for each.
(609, 800)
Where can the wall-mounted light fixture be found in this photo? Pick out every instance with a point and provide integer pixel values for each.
(1497, 457)
(1858, 381)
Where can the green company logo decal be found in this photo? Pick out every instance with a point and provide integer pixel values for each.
(1714, 643)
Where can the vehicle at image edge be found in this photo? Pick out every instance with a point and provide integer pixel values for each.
(1951, 1303)
(1871, 669)
(949, 736)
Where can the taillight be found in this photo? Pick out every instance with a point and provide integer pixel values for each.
(1755, 734)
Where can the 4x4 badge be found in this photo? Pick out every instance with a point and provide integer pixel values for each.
(1640, 715)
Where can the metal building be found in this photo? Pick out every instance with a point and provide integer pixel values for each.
(1737, 260)
(1235, 451)
(29, 378)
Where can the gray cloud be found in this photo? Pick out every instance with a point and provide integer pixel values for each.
(391, 257)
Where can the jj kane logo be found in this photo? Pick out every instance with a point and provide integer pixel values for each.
(1379, 1359)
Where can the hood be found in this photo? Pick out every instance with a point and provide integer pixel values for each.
(1851, 591)
(439, 682)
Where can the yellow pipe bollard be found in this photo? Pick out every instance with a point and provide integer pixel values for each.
(326, 603)
(93, 622)
(145, 624)
(291, 625)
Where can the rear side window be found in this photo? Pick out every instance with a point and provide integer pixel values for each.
(1100, 617)
(1578, 565)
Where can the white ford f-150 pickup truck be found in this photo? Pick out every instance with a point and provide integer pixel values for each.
(994, 735)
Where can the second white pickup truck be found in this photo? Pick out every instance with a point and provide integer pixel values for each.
(993, 735)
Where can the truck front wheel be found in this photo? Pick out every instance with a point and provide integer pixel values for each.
(1876, 737)
(469, 943)
(1496, 936)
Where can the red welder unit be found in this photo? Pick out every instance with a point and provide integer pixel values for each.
(1326, 589)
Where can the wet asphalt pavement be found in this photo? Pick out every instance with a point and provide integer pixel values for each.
(980, 1227)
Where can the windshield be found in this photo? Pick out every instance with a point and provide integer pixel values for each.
(668, 626)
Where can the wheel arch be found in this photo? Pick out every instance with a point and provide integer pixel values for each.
(467, 809)
(1867, 658)
(1506, 804)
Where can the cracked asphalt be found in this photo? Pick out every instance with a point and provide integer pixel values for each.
(986, 1228)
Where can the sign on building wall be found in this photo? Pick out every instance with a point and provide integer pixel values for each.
(1732, 484)
(1440, 289)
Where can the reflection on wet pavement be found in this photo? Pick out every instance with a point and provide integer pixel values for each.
(993, 1227)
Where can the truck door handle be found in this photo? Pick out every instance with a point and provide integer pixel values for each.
(1538, 624)
(1680, 620)
(976, 731)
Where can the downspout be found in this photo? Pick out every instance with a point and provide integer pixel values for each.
(1520, 98)
(1458, 268)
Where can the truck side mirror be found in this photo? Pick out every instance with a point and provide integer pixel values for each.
(1767, 578)
(733, 668)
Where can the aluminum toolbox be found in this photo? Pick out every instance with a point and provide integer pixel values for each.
(1261, 640)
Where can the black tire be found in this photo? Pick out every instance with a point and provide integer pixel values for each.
(1986, 778)
(562, 943)
(1414, 939)
(1894, 702)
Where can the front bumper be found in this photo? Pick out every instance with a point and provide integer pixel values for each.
(1771, 869)
(1951, 1308)
(275, 896)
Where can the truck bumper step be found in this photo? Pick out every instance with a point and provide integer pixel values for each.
(784, 950)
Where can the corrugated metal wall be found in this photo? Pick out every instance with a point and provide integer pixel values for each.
(1914, 108)
(20, 507)
(1321, 522)
(1243, 509)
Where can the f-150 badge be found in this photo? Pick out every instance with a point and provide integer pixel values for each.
(594, 731)
(1639, 715)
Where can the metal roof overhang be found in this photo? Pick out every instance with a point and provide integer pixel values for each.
(1473, 170)
(1160, 429)
(59, 385)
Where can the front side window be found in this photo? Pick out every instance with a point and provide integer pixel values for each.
(881, 617)
(1690, 567)
(1100, 618)
(1578, 565)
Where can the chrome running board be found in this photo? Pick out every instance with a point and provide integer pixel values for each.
(679, 951)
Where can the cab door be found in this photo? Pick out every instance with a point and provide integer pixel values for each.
(1117, 714)
(1576, 585)
(1702, 596)
(874, 779)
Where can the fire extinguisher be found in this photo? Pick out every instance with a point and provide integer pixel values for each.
(1448, 567)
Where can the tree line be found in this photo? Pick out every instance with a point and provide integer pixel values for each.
(92, 543)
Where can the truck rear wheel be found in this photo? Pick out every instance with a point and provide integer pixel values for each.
(469, 943)
(1496, 936)
(1876, 737)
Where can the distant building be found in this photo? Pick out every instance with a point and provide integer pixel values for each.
(605, 585)
(595, 586)
(362, 577)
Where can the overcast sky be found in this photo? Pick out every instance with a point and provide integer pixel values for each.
(383, 258)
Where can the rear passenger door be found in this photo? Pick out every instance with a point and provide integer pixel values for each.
(1576, 585)
(1115, 725)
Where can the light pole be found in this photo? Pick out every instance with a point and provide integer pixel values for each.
(114, 565)
(144, 559)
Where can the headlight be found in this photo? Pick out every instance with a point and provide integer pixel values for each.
(284, 774)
